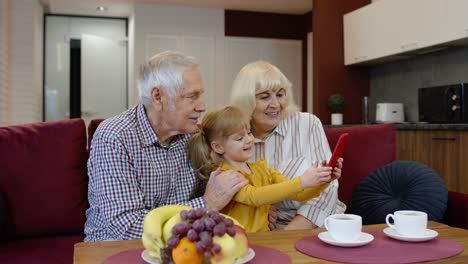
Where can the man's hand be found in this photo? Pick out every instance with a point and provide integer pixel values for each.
(272, 217)
(221, 187)
(299, 222)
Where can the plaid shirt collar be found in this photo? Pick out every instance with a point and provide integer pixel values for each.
(147, 135)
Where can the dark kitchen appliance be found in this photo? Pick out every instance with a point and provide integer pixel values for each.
(443, 104)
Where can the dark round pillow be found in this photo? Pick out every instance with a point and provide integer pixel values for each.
(400, 185)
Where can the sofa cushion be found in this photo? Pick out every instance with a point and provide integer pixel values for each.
(401, 185)
(43, 177)
(457, 207)
(369, 147)
(93, 125)
(40, 250)
(3, 216)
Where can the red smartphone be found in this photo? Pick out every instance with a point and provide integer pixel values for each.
(339, 148)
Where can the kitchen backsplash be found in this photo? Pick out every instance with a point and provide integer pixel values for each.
(399, 81)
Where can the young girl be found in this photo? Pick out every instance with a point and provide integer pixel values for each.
(225, 141)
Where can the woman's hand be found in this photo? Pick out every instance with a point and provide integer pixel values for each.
(337, 170)
(300, 222)
(272, 217)
(316, 176)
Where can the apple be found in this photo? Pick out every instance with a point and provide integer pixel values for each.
(229, 250)
(232, 248)
(242, 239)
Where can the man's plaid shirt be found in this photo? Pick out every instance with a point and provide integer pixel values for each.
(130, 173)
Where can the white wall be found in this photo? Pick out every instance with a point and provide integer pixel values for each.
(26, 20)
(310, 70)
(131, 62)
(200, 32)
(4, 62)
(186, 29)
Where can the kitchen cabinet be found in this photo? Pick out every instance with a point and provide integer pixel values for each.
(445, 151)
(386, 28)
(457, 24)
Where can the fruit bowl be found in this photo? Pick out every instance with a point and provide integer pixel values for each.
(244, 259)
(180, 234)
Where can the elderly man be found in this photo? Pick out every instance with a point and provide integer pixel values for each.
(139, 159)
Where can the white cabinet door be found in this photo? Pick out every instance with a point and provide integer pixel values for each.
(386, 28)
(416, 23)
(457, 25)
(362, 39)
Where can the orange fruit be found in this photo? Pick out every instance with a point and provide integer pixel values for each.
(186, 253)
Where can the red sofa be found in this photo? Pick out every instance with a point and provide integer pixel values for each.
(43, 184)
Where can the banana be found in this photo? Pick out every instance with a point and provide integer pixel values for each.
(154, 223)
(167, 228)
(233, 219)
(154, 250)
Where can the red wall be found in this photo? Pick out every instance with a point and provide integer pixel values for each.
(330, 76)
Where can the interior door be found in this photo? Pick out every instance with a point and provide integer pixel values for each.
(103, 77)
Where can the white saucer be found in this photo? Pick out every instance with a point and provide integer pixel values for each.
(246, 258)
(428, 235)
(364, 239)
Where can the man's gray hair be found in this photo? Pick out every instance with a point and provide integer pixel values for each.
(166, 71)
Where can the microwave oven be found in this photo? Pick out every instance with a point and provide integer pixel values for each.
(443, 104)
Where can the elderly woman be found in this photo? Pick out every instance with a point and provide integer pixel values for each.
(290, 141)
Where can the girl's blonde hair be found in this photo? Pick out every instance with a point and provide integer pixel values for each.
(218, 124)
(258, 77)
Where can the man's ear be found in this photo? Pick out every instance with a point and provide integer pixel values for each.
(157, 97)
(216, 147)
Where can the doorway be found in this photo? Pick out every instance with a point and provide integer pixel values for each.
(85, 67)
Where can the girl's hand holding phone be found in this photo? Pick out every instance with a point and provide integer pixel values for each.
(316, 176)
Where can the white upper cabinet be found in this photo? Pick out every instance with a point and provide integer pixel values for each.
(386, 28)
(361, 42)
(457, 19)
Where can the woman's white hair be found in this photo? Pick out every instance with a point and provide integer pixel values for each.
(258, 77)
(166, 71)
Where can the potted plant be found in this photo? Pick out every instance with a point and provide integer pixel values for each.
(336, 104)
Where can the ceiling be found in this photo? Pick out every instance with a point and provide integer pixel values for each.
(124, 7)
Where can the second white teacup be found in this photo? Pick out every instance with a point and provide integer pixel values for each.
(344, 227)
(408, 223)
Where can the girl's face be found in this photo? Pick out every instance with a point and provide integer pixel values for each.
(238, 147)
(269, 106)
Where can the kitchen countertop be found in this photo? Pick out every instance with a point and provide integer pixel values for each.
(429, 126)
(416, 126)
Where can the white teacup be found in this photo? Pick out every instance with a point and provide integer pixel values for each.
(344, 227)
(408, 223)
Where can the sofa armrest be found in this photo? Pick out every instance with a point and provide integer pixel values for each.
(456, 214)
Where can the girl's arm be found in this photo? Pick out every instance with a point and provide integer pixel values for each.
(305, 194)
(280, 188)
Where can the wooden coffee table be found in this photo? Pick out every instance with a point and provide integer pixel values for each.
(97, 252)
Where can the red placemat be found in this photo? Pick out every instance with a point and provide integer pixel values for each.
(382, 250)
(126, 257)
(262, 255)
(266, 255)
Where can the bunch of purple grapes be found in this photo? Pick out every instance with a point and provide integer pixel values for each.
(199, 226)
